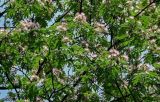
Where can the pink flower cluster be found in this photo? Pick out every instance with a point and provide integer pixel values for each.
(80, 17)
(62, 27)
(125, 57)
(34, 78)
(100, 28)
(56, 72)
(114, 53)
(65, 39)
(28, 25)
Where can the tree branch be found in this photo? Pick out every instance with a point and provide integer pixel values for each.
(56, 91)
(12, 85)
(74, 85)
(4, 3)
(145, 8)
(90, 16)
(22, 72)
(63, 15)
(2, 13)
(111, 42)
(80, 9)
(41, 66)
(7, 88)
(120, 90)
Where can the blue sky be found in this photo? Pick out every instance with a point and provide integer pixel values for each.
(1, 9)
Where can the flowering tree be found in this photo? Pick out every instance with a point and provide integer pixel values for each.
(80, 51)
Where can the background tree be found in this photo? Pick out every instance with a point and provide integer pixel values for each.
(80, 50)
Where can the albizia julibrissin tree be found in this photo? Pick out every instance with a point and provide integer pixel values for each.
(80, 51)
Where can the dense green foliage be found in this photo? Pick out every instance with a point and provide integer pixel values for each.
(81, 51)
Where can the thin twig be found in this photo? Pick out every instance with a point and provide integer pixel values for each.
(74, 85)
(4, 3)
(63, 15)
(91, 9)
(120, 90)
(22, 73)
(56, 91)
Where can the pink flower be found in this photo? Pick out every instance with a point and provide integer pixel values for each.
(62, 27)
(34, 78)
(39, 99)
(152, 41)
(84, 43)
(143, 67)
(125, 57)
(113, 53)
(87, 49)
(100, 28)
(28, 25)
(80, 17)
(65, 39)
(56, 72)
(93, 55)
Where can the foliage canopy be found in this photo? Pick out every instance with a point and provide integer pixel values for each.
(80, 50)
